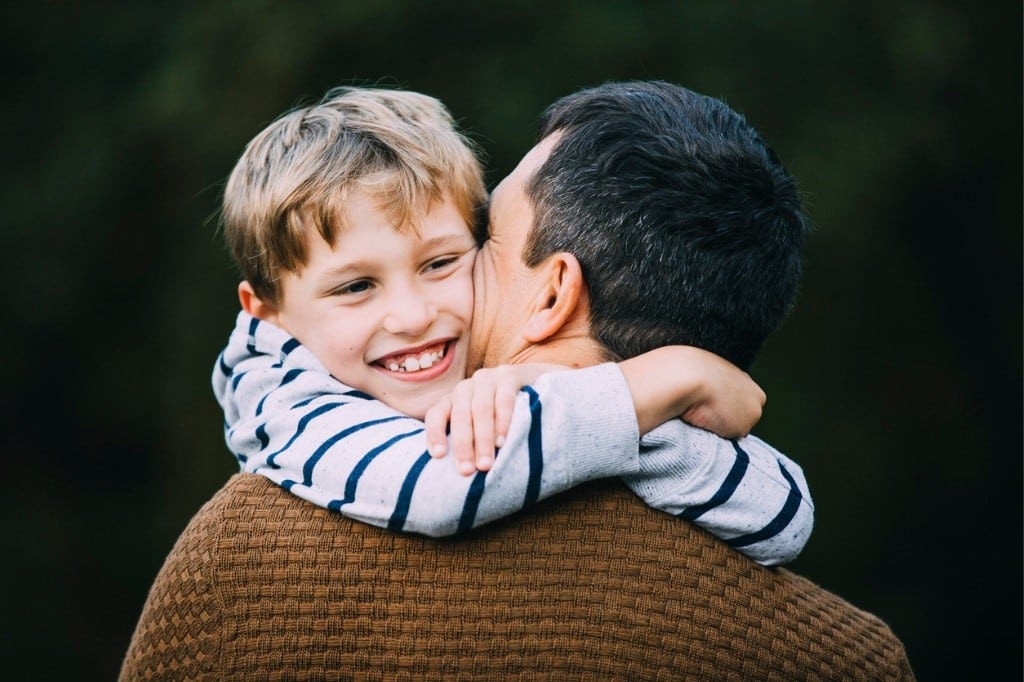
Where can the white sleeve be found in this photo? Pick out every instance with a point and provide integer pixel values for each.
(287, 419)
(745, 492)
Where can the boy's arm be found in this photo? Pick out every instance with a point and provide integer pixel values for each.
(288, 419)
(743, 491)
(707, 390)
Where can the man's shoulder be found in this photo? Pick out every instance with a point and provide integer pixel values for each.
(591, 582)
(703, 602)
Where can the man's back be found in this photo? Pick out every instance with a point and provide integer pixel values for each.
(589, 585)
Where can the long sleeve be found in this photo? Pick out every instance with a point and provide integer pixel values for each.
(287, 419)
(745, 492)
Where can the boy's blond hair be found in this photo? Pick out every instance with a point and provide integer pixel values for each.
(399, 147)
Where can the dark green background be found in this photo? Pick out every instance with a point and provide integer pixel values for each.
(896, 383)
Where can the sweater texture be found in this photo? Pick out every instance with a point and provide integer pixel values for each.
(591, 585)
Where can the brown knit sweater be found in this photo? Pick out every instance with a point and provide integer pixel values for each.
(588, 585)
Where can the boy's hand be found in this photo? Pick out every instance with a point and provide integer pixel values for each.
(731, 404)
(480, 412)
(708, 391)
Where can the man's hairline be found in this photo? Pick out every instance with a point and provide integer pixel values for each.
(608, 353)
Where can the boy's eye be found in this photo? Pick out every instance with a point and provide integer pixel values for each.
(441, 263)
(357, 287)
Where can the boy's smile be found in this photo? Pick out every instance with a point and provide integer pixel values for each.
(386, 311)
(415, 364)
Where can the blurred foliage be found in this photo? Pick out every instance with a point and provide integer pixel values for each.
(894, 383)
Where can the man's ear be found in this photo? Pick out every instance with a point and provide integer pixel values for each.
(254, 305)
(560, 298)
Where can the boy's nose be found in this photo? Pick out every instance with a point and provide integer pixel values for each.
(410, 317)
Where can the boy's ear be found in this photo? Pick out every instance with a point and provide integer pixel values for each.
(254, 305)
(559, 299)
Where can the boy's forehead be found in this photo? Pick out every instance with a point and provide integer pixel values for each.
(381, 210)
(351, 207)
(363, 208)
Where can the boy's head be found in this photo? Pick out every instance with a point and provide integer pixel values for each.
(295, 177)
(686, 225)
(352, 222)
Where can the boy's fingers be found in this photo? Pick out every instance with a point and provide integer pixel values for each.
(460, 438)
(483, 426)
(504, 405)
(436, 423)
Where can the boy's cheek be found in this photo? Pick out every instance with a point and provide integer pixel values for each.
(466, 291)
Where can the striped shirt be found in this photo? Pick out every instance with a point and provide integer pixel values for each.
(287, 418)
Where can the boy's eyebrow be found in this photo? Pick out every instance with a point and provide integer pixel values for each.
(348, 269)
(446, 240)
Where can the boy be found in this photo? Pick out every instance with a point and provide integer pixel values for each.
(351, 223)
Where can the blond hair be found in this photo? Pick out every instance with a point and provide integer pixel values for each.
(401, 148)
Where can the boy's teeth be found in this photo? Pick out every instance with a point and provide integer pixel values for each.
(414, 363)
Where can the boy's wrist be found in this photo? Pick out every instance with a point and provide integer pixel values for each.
(663, 384)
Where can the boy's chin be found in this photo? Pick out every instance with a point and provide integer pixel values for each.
(416, 398)
(416, 406)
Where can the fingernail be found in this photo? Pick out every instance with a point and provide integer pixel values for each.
(438, 449)
(499, 441)
(466, 467)
(483, 462)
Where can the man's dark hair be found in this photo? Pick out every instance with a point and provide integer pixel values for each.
(688, 228)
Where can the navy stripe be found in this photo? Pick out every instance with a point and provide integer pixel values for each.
(476, 491)
(288, 378)
(224, 368)
(261, 435)
(358, 394)
(314, 459)
(303, 403)
(288, 347)
(397, 520)
(250, 344)
(299, 428)
(235, 379)
(728, 487)
(536, 449)
(358, 469)
(781, 519)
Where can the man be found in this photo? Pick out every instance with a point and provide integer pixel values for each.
(645, 215)
(686, 227)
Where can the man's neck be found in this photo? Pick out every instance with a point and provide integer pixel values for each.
(578, 350)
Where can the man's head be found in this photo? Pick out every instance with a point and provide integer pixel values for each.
(687, 228)
(352, 223)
